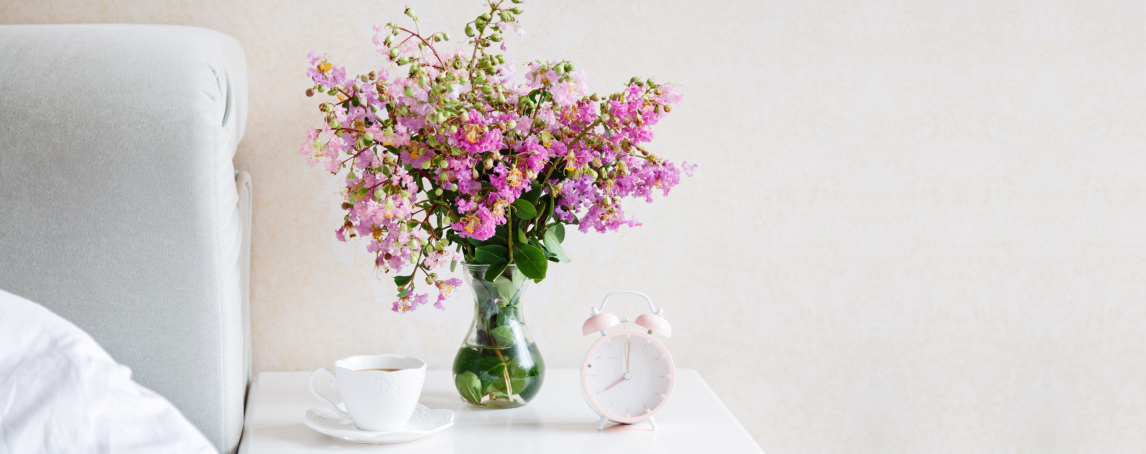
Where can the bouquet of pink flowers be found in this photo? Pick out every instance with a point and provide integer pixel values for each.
(450, 159)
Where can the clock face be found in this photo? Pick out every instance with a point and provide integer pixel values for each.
(627, 376)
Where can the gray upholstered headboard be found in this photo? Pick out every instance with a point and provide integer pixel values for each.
(120, 208)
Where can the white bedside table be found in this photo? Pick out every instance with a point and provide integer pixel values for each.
(557, 421)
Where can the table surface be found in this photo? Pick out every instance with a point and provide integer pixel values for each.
(557, 421)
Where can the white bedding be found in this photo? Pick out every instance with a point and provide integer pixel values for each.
(61, 393)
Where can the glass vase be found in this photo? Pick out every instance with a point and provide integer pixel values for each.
(498, 365)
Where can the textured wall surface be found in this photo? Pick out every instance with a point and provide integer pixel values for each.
(916, 226)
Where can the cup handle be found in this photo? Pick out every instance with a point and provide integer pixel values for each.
(323, 398)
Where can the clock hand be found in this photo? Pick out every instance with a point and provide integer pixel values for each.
(612, 385)
(627, 356)
(626, 377)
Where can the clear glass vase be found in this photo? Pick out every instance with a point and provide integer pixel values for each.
(498, 365)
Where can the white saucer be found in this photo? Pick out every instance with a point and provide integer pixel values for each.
(423, 423)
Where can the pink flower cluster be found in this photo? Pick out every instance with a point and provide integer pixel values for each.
(441, 153)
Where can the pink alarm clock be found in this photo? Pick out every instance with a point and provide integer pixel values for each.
(628, 375)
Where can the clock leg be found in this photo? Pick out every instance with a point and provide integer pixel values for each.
(601, 423)
(653, 422)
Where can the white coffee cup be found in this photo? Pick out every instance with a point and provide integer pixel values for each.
(376, 400)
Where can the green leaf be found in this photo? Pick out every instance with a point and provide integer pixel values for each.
(506, 289)
(490, 254)
(469, 386)
(505, 314)
(404, 293)
(494, 385)
(521, 238)
(453, 264)
(530, 260)
(491, 369)
(559, 230)
(402, 280)
(552, 244)
(495, 269)
(503, 335)
(480, 291)
(534, 193)
(523, 209)
(477, 364)
(518, 378)
(486, 369)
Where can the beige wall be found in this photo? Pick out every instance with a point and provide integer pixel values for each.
(917, 227)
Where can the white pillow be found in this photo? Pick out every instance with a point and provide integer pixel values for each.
(60, 392)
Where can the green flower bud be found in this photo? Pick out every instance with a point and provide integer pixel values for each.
(495, 38)
(511, 123)
(569, 67)
(402, 61)
(605, 117)
(501, 98)
(488, 163)
(559, 69)
(595, 98)
(393, 53)
(469, 31)
(445, 36)
(517, 1)
(334, 123)
(485, 17)
(438, 191)
(410, 12)
(516, 10)
(426, 165)
(409, 92)
(437, 38)
(453, 130)
(465, 117)
(500, 59)
(454, 187)
(444, 164)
